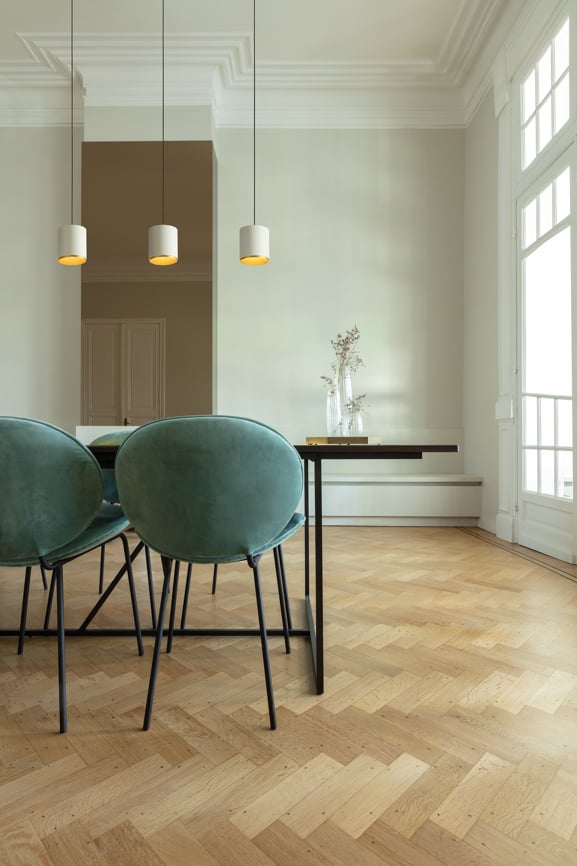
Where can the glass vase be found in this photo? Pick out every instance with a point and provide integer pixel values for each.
(355, 424)
(333, 412)
(344, 387)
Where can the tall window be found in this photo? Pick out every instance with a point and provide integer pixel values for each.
(547, 301)
(545, 97)
(547, 430)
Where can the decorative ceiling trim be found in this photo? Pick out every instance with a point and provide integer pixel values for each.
(215, 69)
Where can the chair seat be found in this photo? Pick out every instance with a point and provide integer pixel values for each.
(109, 522)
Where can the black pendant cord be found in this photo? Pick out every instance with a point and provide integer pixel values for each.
(254, 112)
(72, 112)
(162, 173)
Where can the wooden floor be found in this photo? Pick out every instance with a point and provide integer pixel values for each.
(447, 734)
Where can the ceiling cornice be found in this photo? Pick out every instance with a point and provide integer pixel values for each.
(215, 69)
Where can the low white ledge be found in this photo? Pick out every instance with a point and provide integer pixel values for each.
(400, 500)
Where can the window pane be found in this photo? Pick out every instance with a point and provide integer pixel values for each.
(530, 223)
(544, 75)
(563, 196)
(565, 423)
(529, 97)
(565, 474)
(547, 472)
(561, 96)
(546, 210)
(561, 51)
(529, 143)
(545, 124)
(530, 482)
(547, 308)
(547, 417)
(530, 421)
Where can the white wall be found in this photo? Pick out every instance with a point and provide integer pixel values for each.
(39, 299)
(481, 388)
(367, 230)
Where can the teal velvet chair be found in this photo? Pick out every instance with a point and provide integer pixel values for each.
(51, 512)
(210, 489)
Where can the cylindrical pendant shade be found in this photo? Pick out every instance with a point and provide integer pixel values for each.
(72, 245)
(162, 245)
(254, 245)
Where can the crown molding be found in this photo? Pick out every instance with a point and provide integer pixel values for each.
(215, 70)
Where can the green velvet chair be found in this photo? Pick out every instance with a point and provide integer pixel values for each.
(51, 512)
(210, 489)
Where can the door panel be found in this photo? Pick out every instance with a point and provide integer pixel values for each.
(143, 371)
(123, 378)
(101, 400)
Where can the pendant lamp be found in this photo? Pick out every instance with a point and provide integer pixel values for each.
(163, 239)
(72, 238)
(254, 240)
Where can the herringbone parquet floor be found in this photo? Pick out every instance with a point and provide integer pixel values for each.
(447, 734)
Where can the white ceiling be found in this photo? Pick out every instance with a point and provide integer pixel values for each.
(319, 62)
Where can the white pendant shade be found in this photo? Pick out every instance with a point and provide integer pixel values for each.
(162, 245)
(72, 245)
(254, 245)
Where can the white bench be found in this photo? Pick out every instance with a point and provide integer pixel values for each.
(400, 500)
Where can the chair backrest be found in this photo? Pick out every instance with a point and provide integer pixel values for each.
(109, 476)
(208, 488)
(50, 489)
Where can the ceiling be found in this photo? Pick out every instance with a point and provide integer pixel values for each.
(318, 61)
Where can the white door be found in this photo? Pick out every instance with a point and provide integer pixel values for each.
(123, 363)
(546, 503)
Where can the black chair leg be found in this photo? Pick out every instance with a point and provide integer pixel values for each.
(49, 601)
(101, 570)
(214, 576)
(280, 559)
(61, 649)
(24, 611)
(167, 568)
(282, 600)
(186, 594)
(264, 642)
(43, 573)
(150, 585)
(130, 575)
(173, 608)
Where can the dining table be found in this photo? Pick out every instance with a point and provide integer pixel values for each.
(315, 455)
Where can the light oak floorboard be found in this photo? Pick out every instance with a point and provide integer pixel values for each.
(446, 735)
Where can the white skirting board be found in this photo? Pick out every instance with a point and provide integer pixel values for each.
(400, 500)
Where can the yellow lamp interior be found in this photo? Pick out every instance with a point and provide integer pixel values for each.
(163, 260)
(72, 260)
(254, 260)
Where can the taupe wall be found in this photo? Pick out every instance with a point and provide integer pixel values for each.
(187, 308)
(122, 197)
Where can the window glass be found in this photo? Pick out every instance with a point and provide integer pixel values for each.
(561, 96)
(563, 196)
(565, 474)
(547, 485)
(561, 52)
(547, 296)
(545, 97)
(564, 423)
